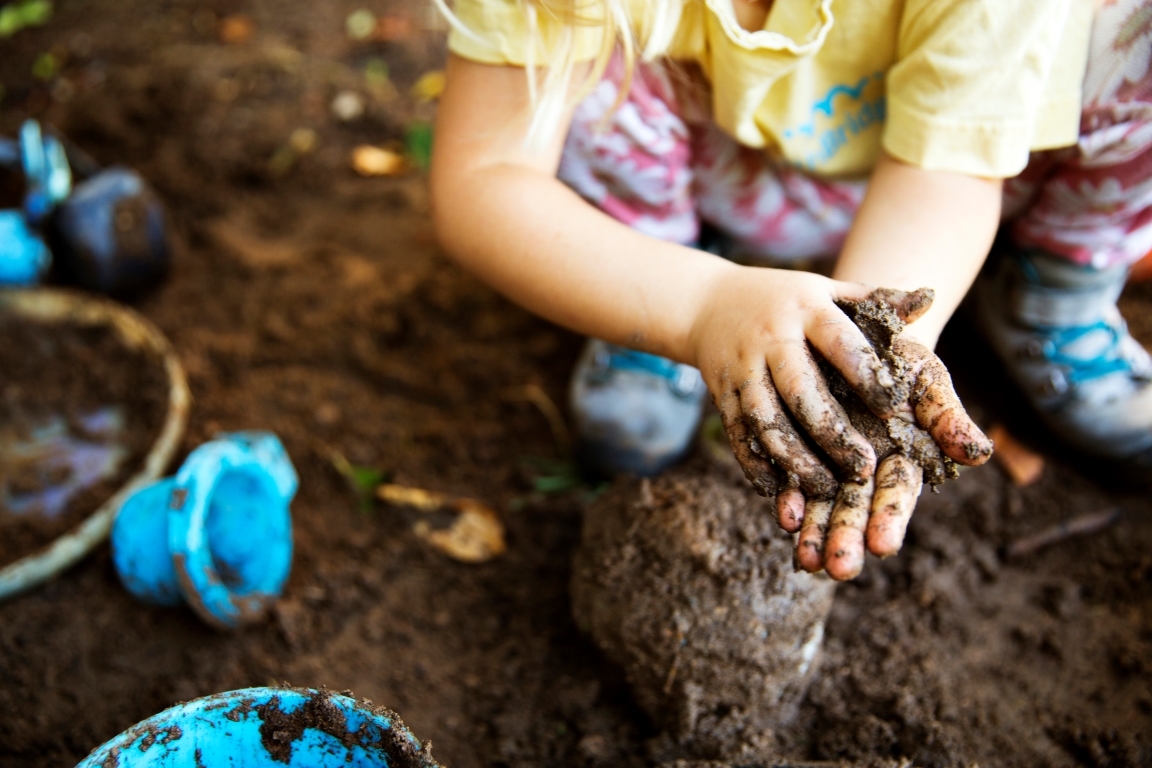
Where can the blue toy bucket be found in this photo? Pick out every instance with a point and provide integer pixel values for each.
(267, 728)
(218, 534)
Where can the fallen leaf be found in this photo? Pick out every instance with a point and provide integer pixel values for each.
(429, 86)
(360, 24)
(475, 536)
(236, 30)
(418, 143)
(407, 496)
(392, 28)
(303, 140)
(1022, 464)
(368, 160)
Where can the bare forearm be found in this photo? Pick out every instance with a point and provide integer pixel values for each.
(922, 228)
(542, 246)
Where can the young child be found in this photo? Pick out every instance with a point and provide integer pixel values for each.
(580, 145)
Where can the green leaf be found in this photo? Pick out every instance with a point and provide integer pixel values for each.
(29, 13)
(418, 143)
(366, 478)
(45, 67)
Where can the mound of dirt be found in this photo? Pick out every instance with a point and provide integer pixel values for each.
(687, 583)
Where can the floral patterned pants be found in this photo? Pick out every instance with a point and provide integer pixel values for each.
(658, 164)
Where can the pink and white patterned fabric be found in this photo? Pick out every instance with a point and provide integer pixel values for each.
(655, 161)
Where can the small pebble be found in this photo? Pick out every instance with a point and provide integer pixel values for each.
(347, 106)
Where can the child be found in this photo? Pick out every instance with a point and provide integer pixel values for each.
(878, 130)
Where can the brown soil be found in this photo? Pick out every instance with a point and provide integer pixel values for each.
(687, 584)
(62, 371)
(311, 302)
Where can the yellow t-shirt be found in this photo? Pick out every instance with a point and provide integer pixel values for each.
(959, 85)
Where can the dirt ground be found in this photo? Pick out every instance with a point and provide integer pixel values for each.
(313, 302)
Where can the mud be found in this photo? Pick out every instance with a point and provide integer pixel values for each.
(877, 318)
(280, 730)
(57, 371)
(688, 585)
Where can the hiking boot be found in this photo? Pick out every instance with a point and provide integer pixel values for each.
(1056, 328)
(634, 412)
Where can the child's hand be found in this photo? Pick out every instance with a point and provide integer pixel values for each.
(754, 340)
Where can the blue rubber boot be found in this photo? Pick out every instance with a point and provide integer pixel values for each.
(634, 413)
(1056, 328)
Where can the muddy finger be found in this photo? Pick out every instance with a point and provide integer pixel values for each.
(745, 447)
(844, 551)
(805, 392)
(790, 509)
(810, 544)
(908, 305)
(939, 410)
(842, 344)
(777, 437)
(898, 483)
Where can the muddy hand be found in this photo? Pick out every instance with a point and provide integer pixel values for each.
(757, 343)
(783, 423)
(874, 514)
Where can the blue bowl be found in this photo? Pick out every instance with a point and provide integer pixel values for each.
(267, 728)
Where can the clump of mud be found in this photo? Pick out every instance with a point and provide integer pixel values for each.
(687, 584)
(878, 320)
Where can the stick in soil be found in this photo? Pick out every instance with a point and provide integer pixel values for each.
(1082, 525)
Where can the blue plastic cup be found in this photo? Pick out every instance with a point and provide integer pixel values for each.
(267, 728)
(218, 535)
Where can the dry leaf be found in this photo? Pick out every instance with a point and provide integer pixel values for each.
(1022, 464)
(429, 86)
(407, 496)
(236, 29)
(392, 28)
(374, 161)
(475, 536)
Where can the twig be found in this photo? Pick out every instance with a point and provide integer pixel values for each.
(1076, 526)
(536, 395)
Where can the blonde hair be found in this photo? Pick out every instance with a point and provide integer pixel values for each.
(550, 86)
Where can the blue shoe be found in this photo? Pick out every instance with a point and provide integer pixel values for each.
(634, 413)
(1056, 328)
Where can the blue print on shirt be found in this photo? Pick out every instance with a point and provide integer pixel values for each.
(830, 127)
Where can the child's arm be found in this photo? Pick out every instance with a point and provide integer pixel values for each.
(501, 213)
(922, 228)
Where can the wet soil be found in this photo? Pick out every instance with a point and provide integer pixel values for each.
(309, 301)
(688, 586)
(56, 371)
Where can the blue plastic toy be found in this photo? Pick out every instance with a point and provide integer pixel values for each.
(107, 234)
(24, 258)
(217, 535)
(267, 728)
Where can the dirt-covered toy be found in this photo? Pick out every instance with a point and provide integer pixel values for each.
(217, 535)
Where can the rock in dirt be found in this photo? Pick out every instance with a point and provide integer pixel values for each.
(881, 325)
(687, 583)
